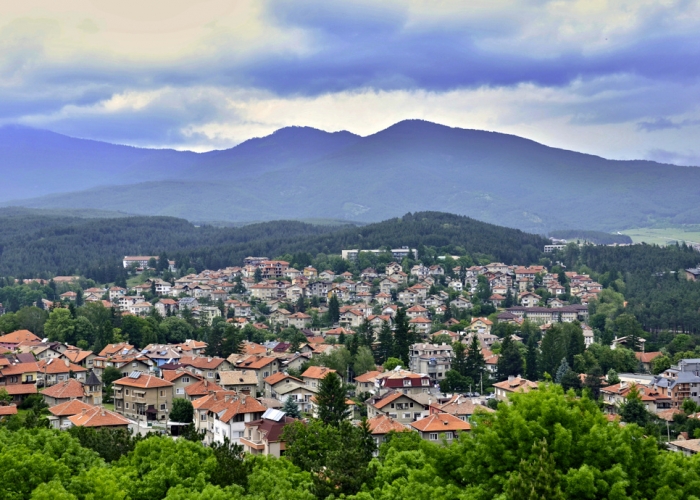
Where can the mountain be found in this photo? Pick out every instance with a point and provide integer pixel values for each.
(411, 166)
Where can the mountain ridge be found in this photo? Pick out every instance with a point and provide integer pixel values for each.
(413, 165)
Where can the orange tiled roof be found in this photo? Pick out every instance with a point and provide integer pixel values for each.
(98, 417)
(19, 336)
(71, 388)
(440, 422)
(201, 388)
(317, 372)
(8, 410)
(72, 407)
(19, 369)
(278, 377)
(382, 424)
(54, 365)
(367, 377)
(143, 382)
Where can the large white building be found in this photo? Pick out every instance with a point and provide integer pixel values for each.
(398, 253)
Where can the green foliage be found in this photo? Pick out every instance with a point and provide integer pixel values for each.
(536, 478)
(291, 408)
(363, 361)
(392, 363)
(331, 400)
(633, 410)
(510, 361)
(182, 411)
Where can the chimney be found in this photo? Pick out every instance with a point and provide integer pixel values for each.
(84, 411)
(226, 398)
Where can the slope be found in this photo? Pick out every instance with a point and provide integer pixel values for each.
(411, 166)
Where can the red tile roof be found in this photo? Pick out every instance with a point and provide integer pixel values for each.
(8, 410)
(72, 407)
(317, 372)
(71, 388)
(19, 336)
(143, 382)
(440, 422)
(202, 388)
(98, 417)
(382, 424)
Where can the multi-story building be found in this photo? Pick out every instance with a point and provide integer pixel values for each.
(434, 360)
(143, 397)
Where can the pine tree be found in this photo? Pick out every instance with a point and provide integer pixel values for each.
(291, 408)
(537, 478)
(333, 309)
(386, 343)
(510, 362)
(460, 359)
(476, 364)
(331, 400)
(301, 306)
(403, 336)
(531, 361)
(561, 371)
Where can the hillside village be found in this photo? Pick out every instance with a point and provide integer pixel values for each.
(287, 327)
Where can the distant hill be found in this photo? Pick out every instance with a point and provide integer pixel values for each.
(32, 245)
(596, 237)
(414, 165)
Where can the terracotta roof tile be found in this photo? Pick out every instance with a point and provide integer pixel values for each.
(317, 372)
(144, 381)
(440, 422)
(98, 417)
(19, 336)
(71, 388)
(72, 407)
(382, 424)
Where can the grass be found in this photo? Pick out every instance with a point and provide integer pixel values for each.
(664, 236)
(108, 406)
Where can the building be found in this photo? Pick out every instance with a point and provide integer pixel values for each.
(143, 397)
(264, 436)
(313, 375)
(434, 360)
(461, 407)
(139, 260)
(64, 392)
(99, 417)
(243, 381)
(61, 412)
(404, 408)
(381, 425)
(282, 386)
(397, 253)
(440, 426)
(513, 385)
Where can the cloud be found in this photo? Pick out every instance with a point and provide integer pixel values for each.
(688, 158)
(665, 124)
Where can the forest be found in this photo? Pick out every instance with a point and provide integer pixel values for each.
(546, 444)
(595, 237)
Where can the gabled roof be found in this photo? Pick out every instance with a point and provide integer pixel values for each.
(20, 368)
(238, 377)
(173, 375)
(53, 366)
(76, 355)
(201, 362)
(19, 336)
(8, 410)
(20, 389)
(383, 424)
(72, 407)
(98, 417)
(440, 422)
(143, 381)
(202, 388)
(367, 377)
(115, 348)
(71, 388)
(317, 372)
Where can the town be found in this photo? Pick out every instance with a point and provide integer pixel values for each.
(415, 348)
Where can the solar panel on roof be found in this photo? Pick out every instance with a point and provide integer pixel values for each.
(135, 374)
(272, 414)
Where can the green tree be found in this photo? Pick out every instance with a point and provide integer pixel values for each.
(392, 363)
(455, 382)
(536, 478)
(364, 361)
(60, 326)
(531, 361)
(5, 397)
(660, 364)
(594, 381)
(612, 377)
(403, 336)
(182, 411)
(331, 400)
(561, 371)
(333, 309)
(633, 410)
(291, 408)
(510, 361)
(386, 343)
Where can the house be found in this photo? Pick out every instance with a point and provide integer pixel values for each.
(63, 392)
(205, 367)
(653, 399)
(461, 407)
(381, 425)
(143, 397)
(227, 417)
(299, 320)
(434, 360)
(403, 408)
(405, 381)
(481, 325)
(122, 348)
(421, 325)
(167, 307)
(52, 371)
(200, 388)
(19, 392)
(19, 336)
(242, 381)
(417, 311)
(263, 366)
(93, 389)
(60, 413)
(513, 385)
(367, 382)
(264, 436)
(313, 375)
(138, 260)
(140, 308)
(529, 299)
(646, 359)
(282, 386)
(99, 417)
(180, 379)
(19, 373)
(440, 426)
(686, 446)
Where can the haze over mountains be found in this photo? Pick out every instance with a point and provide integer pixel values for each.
(300, 172)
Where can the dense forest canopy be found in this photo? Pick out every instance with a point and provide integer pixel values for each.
(595, 237)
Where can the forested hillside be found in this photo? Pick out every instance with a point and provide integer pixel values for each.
(34, 246)
(595, 237)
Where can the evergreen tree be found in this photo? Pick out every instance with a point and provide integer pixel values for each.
(333, 309)
(612, 377)
(510, 362)
(182, 411)
(301, 305)
(331, 400)
(459, 364)
(561, 371)
(633, 410)
(291, 408)
(386, 343)
(403, 336)
(571, 380)
(475, 363)
(553, 349)
(537, 478)
(593, 381)
(257, 276)
(531, 361)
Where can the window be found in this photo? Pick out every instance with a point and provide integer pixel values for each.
(406, 415)
(162, 407)
(406, 383)
(180, 391)
(203, 417)
(411, 404)
(392, 415)
(186, 380)
(210, 374)
(126, 406)
(425, 381)
(433, 436)
(392, 405)
(162, 393)
(126, 392)
(134, 363)
(449, 436)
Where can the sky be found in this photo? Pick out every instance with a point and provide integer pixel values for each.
(614, 78)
